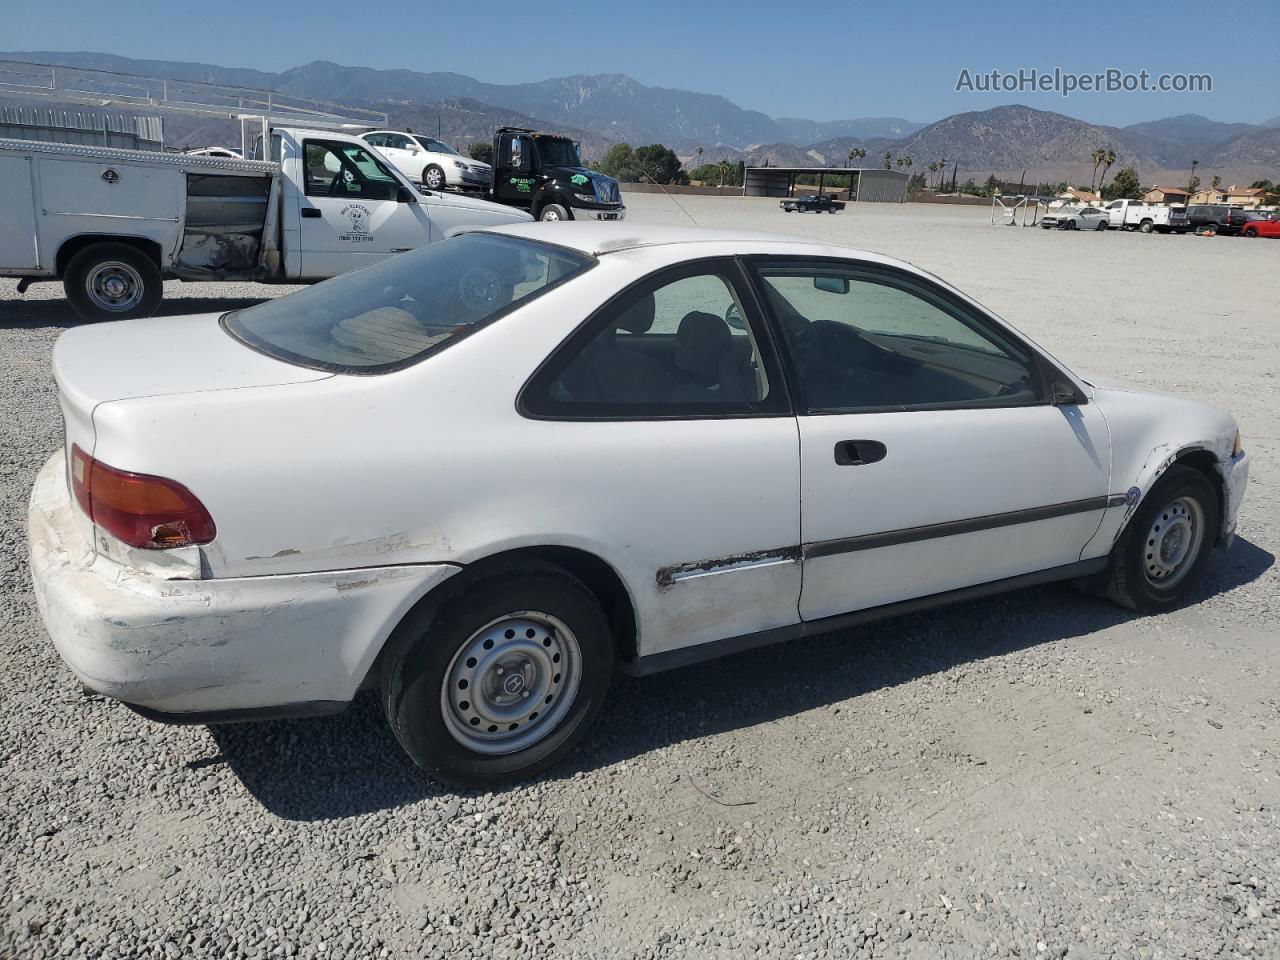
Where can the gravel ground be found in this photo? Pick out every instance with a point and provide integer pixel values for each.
(1038, 775)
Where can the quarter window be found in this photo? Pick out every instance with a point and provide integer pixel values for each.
(674, 347)
(864, 340)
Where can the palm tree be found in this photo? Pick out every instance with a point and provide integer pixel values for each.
(856, 154)
(942, 172)
(933, 168)
(1108, 158)
(888, 160)
(1099, 156)
(724, 168)
(904, 162)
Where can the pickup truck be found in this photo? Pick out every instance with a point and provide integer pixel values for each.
(1147, 217)
(112, 224)
(812, 202)
(543, 174)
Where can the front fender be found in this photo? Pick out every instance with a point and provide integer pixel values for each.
(1150, 432)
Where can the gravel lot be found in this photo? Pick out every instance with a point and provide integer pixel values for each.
(1039, 775)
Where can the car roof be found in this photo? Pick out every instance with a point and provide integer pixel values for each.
(597, 238)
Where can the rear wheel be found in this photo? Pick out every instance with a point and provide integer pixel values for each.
(112, 281)
(553, 212)
(1102, 225)
(1154, 563)
(1146, 226)
(502, 681)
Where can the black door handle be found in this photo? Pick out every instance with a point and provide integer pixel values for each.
(855, 453)
(311, 213)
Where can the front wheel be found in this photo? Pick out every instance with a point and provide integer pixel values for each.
(553, 212)
(112, 281)
(503, 681)
(1251, 232)
(433, 177)
(1156, 559)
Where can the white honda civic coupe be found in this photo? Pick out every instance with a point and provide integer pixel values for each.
(482, 475)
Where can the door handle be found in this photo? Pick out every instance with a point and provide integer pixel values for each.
(311, 213)
(855, 453)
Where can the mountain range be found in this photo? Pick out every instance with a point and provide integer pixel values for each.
(1009, 141)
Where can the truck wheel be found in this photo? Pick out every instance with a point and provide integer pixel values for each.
(553, 212)
(112, 281)
(1145, 226)
(503, 680)
(433, 177)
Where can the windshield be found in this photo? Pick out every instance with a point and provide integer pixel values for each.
(558, 152)
(394, 313)
(436, 146)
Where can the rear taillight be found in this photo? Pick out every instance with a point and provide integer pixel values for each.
(144, 511)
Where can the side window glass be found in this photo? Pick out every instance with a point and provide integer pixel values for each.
(377, 139)
(869, 343)
(346, 170)
(678, 347)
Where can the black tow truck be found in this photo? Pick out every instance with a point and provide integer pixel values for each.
(543, 173)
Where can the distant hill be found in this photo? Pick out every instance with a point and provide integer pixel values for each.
(865, 128)
(606, 108)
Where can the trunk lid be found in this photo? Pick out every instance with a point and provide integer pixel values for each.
(152, 357)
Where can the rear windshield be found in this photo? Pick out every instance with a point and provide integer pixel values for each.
(394, 313)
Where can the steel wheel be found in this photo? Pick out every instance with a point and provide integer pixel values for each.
(1173, 542)
(114, 286)
(511, 683)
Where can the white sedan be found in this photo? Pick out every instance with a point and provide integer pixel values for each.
(431, 162)
(482, 475)
(1076, 218)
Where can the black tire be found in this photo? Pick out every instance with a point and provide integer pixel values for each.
(98, 270)
(1251, 232)
(424, 646)
(433, 178)
(1102, 225)
(554, 212)
(1145, 226)
(1127, 580)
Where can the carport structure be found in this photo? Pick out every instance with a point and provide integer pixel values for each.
(869, 184)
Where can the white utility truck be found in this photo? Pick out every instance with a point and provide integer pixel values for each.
(112, 224)
(1147, 217)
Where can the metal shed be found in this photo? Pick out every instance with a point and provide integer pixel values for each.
(871, 185)
(92, 128)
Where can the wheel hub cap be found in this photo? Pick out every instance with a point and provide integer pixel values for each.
(1173, 542)
(511, 683)
(114, 286)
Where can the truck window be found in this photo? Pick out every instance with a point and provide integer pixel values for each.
(336, 169)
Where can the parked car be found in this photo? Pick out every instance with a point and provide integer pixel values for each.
(812, 203)
(226, 152)
(1147, 217)
(482, 475)
(1076, 218)
(113, 224)
(1215, 218)
(431, 162)
(1260, 225)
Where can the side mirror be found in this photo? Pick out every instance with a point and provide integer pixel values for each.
(405, 195)
(831, 284)
(733, 317)
(1063, 393)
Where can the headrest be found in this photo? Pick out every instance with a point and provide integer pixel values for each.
(701, 341)
(638, 317)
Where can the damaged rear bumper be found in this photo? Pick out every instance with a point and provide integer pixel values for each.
(209, 650)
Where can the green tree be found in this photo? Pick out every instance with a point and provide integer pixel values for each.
(660, 163)
(1194, 183)
(1216, 182)
(1125, 185)
(856, 154)
(1099, 158)
(916, 183)
(482, 152)
(1108, 158)
(620, 163)
(888, 160)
